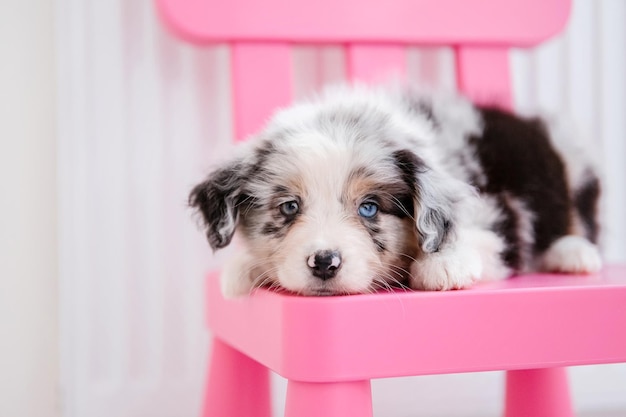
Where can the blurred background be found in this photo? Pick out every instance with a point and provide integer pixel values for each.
(106, 121)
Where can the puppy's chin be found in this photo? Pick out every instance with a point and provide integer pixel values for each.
(305, 284)
(335, 288)
(322, 291)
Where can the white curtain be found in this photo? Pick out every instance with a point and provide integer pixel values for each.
(141, 118)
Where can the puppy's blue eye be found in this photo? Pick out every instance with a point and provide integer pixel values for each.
(289, 208)
(368, 210)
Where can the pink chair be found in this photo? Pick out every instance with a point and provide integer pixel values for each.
(329, 348)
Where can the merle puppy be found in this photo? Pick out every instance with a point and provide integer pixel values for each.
(367, 188)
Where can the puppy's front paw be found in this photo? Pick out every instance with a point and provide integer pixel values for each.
(447, 270)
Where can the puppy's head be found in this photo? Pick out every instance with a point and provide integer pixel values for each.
(332, 198)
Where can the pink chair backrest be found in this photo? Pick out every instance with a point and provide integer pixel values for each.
(375, 34)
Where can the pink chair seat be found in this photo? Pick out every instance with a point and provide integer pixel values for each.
(534, 321)
(330, 348)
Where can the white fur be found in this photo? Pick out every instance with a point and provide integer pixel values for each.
(572, 254)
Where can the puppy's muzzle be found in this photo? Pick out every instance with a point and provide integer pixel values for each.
(324, 264)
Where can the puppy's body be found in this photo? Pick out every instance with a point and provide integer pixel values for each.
(368, 188)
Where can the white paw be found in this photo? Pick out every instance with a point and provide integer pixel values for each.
(447, 270)
(572, 254)
(474, 256)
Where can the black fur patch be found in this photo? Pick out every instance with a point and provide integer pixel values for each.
(217, 200)
(410, 165)
(399, 204)
(586, 202)
(261, 154)
(507, 228)
(517, 157)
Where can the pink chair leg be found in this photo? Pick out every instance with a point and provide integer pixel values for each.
(538, 393)
(337, 399)
(237, 385)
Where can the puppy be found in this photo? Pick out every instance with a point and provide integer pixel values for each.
(367, 188)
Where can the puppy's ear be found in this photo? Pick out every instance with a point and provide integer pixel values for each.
(434, 212)
(435, 196)
(216, 199)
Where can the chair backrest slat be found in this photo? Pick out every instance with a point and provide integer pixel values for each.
(483, 74)
(262, 82)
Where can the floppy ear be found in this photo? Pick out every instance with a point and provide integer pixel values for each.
(434, 212)
(216, 199)
(435, 197)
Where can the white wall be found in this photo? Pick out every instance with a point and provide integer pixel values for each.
(142, 116)
(29, 371)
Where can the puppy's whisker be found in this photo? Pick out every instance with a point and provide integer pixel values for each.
(251, 199)
(390, 279)
(251, 267)
(374, 287)
(383, 285)
(397, 270)
(260, 263)
(398, 204)
(408, 256)
(264, 277)
(383, 280)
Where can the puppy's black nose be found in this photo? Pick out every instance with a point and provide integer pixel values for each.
(324, 264)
